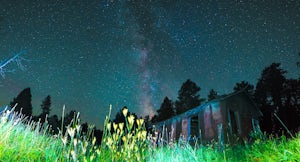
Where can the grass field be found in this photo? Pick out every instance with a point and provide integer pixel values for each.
(23, 140)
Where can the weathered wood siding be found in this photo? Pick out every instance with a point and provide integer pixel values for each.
(229, 116)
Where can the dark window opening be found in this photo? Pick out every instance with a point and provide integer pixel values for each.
(195, 127)
(178, 129)
(233, 122)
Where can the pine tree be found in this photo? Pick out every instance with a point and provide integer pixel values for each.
(154, 119)
(291, 104)
(54, 123)
(212, 95)
(188, 97)
(270, 85)
(166, 110)
(120, 118)
(268, 95)
(45, 106)
(244, 85)
(67, 119)
(23, 101)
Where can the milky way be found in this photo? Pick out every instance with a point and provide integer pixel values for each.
(89, 54)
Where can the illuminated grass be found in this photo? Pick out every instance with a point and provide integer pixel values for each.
(24, 142)
(21, 140)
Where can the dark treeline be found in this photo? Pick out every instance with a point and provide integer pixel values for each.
(22, 104)
(277, 97)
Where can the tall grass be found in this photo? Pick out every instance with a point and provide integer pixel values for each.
(24, 140)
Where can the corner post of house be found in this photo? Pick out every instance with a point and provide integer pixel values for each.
(189, 128)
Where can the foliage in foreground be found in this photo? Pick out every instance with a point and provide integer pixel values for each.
(23, 140)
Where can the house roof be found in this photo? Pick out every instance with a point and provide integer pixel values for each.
(204, 105)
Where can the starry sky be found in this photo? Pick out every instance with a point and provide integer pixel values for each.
(89, 54)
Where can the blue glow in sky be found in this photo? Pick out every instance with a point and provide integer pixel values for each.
(89, 54)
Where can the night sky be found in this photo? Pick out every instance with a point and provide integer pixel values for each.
(88, 54)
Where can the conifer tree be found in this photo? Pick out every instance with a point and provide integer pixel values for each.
(45, 106)
(166, 110)
(188, 97)
(23, 101)
(268, 96)
(212, 95)
(244, 85)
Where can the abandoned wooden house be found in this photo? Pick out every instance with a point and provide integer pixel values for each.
(231, 115)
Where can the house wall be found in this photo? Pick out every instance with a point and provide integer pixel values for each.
(244, 111)
(214, 119)
(211, 117)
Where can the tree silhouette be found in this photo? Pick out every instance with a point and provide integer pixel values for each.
(120, 118)
(166, 110)
(45, 106)
(23, 101)
(90, 132)
(268, 96)
(291, 104)
(188, 97)
(54, 123)
(154, 119)
(212, 95)
(68, 118)
(244, 85)
(148, 123)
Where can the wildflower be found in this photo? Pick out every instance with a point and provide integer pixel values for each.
(92, 157)
(73, 155)
(125, 111)
(115, 137)
(124, 139)
(98, 151)
(130, 121)
(64, 140)
(109, 141)
(78, 127)
(71, 132)
(115, 126)
(139, 135)
(140, 122)
(75, 141)
(136, 148)
(108, 126)
(144, 134)
(121, 126)
(94, 141)
(129, 135)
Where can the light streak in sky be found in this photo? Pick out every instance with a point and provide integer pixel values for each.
(146, 89)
